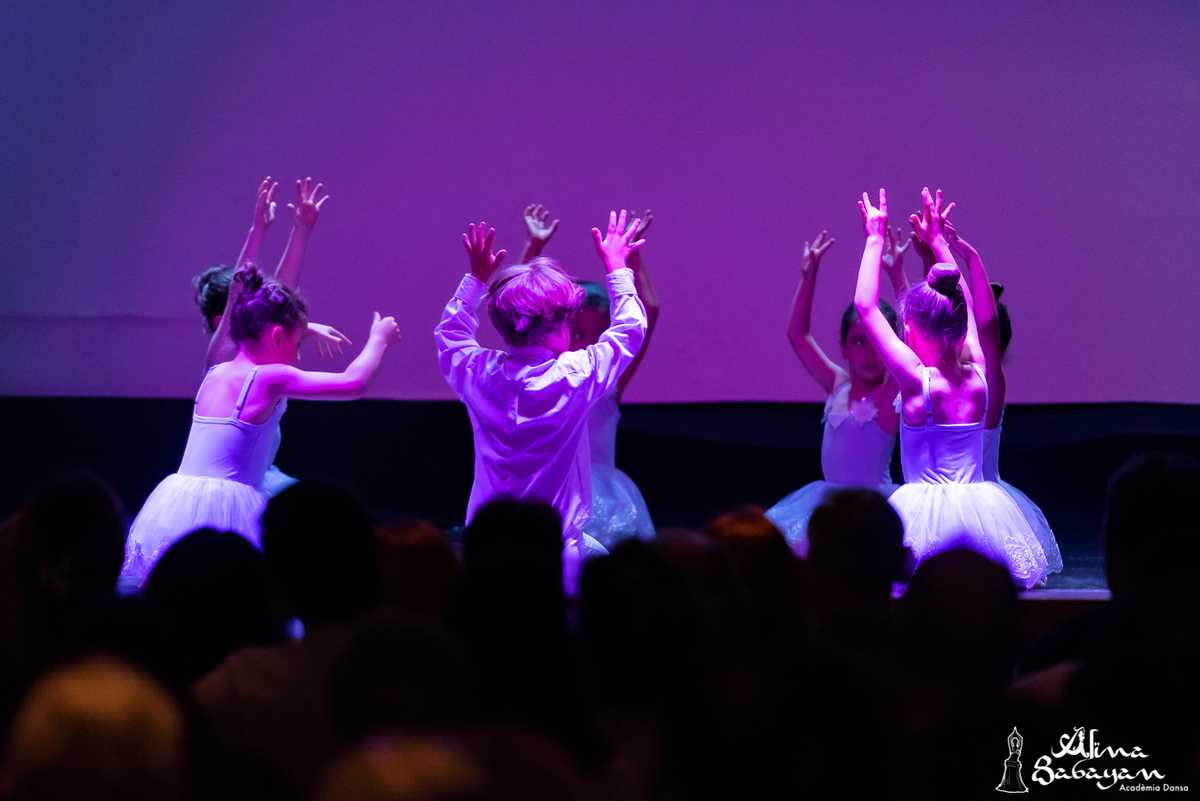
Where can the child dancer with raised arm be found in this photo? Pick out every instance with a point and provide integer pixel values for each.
(945, 404)
(861, 416)
(992, 432)
(529, 405)
(237, 411)
(213, 286)
(618, 509)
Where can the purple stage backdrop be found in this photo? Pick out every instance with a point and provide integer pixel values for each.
(136, 134)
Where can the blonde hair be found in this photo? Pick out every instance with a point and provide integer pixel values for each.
(528, 301)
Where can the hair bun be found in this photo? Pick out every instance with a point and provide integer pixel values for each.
(249, 277)
(944, 278)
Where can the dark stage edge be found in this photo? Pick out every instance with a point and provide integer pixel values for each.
(691, 461)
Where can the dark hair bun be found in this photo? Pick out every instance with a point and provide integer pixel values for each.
(997, 289)
(249, 277)
(944, 279)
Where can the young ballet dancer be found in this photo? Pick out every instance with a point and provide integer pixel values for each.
(235, 418)
(945, 402)
(992, 431)
(861, 415)
(529, 405)
(618, 508)
(213, 285)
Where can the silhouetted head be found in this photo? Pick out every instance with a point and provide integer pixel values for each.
(71, 541)
(419, 570)
(769, 572)
(399, 768)
(514, 541)
(398, 672)
(317, 541)
(214, 586)
(1151, 526)
(959, 618)
(98, 730)
(856, 543)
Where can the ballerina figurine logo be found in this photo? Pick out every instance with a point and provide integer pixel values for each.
(1012, 782)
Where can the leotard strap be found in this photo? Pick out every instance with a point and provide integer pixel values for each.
(237, 410)
(925, 395)
(986, 392)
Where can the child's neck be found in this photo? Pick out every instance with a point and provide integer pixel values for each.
(247, 354)
(860, 388)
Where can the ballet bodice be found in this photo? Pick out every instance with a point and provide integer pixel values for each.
(231, 448)
(943, 453)
(854, 449)
(991, 453)
(603, 419)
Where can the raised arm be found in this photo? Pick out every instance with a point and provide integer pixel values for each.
(221, 347)
(823, 370)
(454, 334)
(647, 294)
(305, 213)
(264, 215)
(351, 383)
(617, 347)
(537, 222)
(899, 359)
(895, 245)
(987, 321)
(929, 227)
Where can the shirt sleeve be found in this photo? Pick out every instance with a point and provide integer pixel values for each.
(618, 346)
(454, 334)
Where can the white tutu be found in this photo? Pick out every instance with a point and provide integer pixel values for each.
(179, 505)
(1041, 527)
(618, 509)
(577, 550)
(791, 515)
(276, 481)
(980, 515)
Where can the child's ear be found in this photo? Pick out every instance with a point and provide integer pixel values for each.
(277, 335)
(215, 322)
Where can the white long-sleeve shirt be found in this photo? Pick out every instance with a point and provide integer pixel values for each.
(529, 408)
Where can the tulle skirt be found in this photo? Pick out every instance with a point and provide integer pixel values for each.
(618, 509)
(181, 504)
(578, 548)
(791, 514)
(980, 515)
(1041, 527)
(276, 481)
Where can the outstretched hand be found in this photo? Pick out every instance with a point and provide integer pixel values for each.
(895, 245)
(620, 240)
(874, 219)
(385, 329)
(813, 253)
(264, 203)
(307, 207)
(537, 220)
(928, 225)
(329, 340)
(645, 218)
(478, 243)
